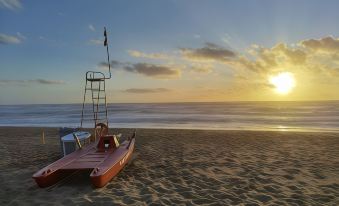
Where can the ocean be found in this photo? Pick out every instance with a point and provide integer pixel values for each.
(267, 116)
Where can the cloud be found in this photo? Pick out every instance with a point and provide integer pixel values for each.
(210, 52)
(139, 54)
(202, 68)
(254, 66)
(21, 36)
(91, 27)
(146, 69)
(296, 56)
(96, 42)
(257, 59)
(114, 64)
(26, 82)
(326, 44)
(146, 90)
(226, 38)
(7, 39)
(44, 81)
(10, 4)
(155, 71)
(265, 60)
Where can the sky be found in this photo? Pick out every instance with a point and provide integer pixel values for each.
(170, 51)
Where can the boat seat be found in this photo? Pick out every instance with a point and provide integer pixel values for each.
(107, 142)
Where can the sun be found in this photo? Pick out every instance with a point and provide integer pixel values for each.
(283, 82)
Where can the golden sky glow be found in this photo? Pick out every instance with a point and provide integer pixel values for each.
(214, 72)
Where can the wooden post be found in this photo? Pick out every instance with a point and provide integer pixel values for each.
(95, 134)
(43, 137)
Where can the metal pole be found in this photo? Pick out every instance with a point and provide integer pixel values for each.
(83, 105)
(109, 63)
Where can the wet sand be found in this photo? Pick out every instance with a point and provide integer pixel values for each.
(183, 167)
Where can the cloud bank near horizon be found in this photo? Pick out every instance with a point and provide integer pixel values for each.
(26, 82)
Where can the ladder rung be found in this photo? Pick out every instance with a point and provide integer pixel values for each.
(100, 119)
(99, 116)
(100, 112)
(98, 98)
(92, 118)
(94, 89)
(95, 80)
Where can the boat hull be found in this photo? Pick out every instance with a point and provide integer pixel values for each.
(50, 179)
(104, 165)
(101, 175)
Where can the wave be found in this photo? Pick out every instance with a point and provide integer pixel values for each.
(281, 116)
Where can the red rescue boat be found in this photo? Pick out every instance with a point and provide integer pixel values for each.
(105, 157)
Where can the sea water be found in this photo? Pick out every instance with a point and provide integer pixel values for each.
(276, 116)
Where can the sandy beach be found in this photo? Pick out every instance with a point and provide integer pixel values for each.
(183, 167)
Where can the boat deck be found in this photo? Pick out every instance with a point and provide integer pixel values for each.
(87, 161)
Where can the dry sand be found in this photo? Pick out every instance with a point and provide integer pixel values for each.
(184, 167)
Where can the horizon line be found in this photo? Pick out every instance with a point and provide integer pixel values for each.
(230, 101)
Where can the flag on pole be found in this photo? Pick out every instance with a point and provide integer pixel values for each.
(105, 34)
